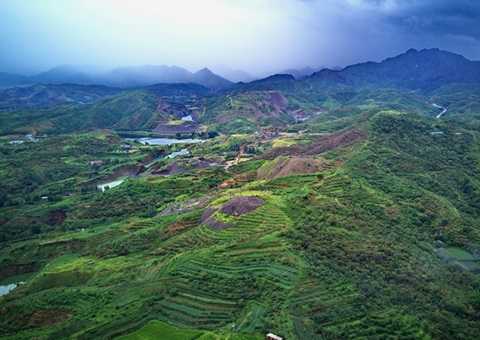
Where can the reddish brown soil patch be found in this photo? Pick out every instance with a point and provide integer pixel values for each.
(207, 218)
(278, 100)
(55, 217)
(240, 205)
(290, 166)
(174, 229)
(48, 317)
(247, 177)
(238, 180)
(227, 184)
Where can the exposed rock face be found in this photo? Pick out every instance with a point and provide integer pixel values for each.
(188, 206)
(240, 205)
(236, 206)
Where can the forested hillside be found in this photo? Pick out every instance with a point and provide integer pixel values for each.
(281, 206)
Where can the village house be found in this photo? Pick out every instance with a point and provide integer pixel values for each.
(95, 162)
(271, 336)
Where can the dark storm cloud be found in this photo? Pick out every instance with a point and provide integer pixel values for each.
(364, 30)
(440, 17)
(259, 36)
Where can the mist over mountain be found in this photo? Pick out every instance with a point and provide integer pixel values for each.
(303, 72)
(426, 70)
(7, 79)
(232, 75)
(146, 75)
(120, 77)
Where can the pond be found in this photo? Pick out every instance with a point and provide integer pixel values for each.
(182, 152)
(163, 141)
(12, 282)
(111, 184)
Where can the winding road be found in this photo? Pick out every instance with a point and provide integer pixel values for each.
(440, 107)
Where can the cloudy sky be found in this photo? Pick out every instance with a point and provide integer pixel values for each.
(258, 36)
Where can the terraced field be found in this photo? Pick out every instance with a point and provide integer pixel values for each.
(361, 225)
(231, 269)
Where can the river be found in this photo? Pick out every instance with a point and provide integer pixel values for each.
(182, 152)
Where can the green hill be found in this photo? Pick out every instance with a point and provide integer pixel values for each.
(351, 214)
(129, 111)
(353, 249)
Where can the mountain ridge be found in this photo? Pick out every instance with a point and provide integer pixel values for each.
(426, 70)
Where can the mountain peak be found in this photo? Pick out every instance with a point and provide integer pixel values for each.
(207, 78)
(204, 70)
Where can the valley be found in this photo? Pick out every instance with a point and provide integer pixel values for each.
(342, 205)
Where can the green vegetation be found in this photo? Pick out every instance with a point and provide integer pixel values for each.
(155, 329)
(367, 226)
(460, 254)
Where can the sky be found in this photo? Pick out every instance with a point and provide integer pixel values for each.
(257, 36)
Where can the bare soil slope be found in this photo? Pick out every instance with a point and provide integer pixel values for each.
(284, 166)
(236, 206)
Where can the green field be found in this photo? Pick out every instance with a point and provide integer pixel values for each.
(459, 254)
(160, 330)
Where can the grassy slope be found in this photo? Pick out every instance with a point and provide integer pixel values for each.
(245, 112)
(129, 110)
(347, 251)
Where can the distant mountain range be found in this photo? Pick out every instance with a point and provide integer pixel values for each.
(120, 77)
(303, 72)
(425, 70)
(235, 76)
